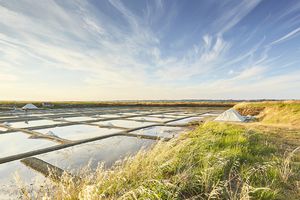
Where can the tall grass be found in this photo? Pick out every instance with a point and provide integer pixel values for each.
(215, 161)
(279, 113)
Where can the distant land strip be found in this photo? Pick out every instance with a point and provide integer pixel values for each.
(149, 103)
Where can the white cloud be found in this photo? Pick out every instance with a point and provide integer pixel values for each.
(280, 86)
(203, 58)
(250, 73)
(233, 13)
(121, 53)
(286, 37)
(54, 41)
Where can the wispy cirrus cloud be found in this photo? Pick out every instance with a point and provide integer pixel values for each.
(116, 46)
(232, 13)
(288, 36)
(200, 59)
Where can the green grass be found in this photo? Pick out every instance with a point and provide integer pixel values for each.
(215, 161)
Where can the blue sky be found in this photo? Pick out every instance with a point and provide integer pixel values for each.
(149, 49)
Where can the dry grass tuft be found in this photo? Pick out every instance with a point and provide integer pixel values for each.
(215, 161)
(285, 113)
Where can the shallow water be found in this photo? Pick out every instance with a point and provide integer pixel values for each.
(186, 120)
(160, 131)
(26, 124)
(124, 123)
(165, 116)
(7, 116)
(78, 119)
(9, 181)
(107, 150)
(158, 119)
(79, 132)
(109, 115)
(128, 113)
(18, 142)
(211, 114)
(3, 129)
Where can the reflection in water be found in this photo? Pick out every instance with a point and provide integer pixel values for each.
(109, 115)
(18, 142)
(32, 123)
(77, 119)
(160, 131)
(78, 132)
(2, 129)
(9, 181)
(107, 150)
(158, 119)
(187, 120)
(124, 123)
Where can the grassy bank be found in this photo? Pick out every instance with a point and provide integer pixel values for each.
(285, 113)
(214, 161)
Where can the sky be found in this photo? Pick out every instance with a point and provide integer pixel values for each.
(149, 49)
